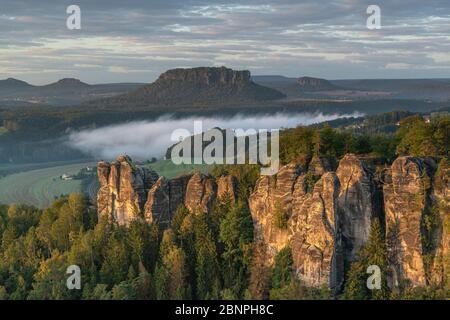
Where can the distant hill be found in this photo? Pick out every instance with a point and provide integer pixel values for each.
(431, 89)
(65, 92)
(215, 87)
(12, 83)
(273, 79)
(209, 86)
(306, 87)
(66, 83)
(309, 84)
(361, 89)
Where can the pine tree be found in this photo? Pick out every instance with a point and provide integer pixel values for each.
(373, 253)
(236, 233)
(260, 274)
(170, 273)
(207, 265)
(282, 271)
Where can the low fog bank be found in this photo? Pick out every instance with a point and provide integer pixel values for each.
(146, 139)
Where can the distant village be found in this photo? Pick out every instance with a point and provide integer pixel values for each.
(82, 174)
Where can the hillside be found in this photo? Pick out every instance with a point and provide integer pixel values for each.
(432, 89)
(13, 84)
(366, 89)
(308, 84)
(197, 86)
(64, 92)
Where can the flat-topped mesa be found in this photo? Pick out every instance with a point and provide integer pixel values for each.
(197, 86)
(310, 84)
(208, 76)
(123, 189)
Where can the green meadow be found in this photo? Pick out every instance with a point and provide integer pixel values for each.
(40, 184)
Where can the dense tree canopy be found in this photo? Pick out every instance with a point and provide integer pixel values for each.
(201, 256)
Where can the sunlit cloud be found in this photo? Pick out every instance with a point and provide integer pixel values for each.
(295, 38)
(146, 139)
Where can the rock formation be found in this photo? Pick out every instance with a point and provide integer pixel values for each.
(270, 205)
(309, 84)
(326, 226)
(128, 192)
(416, 213)
(324, 216)
(200, 193)
(227, 187)
(164, 198)
(197, 86)
(359, 201)
(315, 242)
(441, 263)
(123, 189)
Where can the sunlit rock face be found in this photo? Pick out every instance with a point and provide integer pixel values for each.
(408, 200)
(310, 226)
(316, 241)
(123, 189)
(441, 192)
(359, 201)
(328, 224)
(128, 192)
(227, 187)
(325, 217)
(164, 198)
(200, 193)
(271, 199)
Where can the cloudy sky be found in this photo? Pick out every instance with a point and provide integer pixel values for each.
(136, 40)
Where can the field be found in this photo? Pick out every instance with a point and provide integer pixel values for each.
(40, 184)
(169, 170)
(10, 168)
(40, 187)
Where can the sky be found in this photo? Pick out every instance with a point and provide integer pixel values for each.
(137, 40)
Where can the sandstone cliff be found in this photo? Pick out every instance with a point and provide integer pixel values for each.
(123, 189)
(324, 216)
(128, 192)
(164, 198)
(200, 193)
(417, 214)
(326, 226)
(227, 187)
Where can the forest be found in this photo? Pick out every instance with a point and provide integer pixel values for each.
(201, 256)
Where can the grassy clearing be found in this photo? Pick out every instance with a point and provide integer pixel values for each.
(169, 170)
(39, 187)
(10, 168)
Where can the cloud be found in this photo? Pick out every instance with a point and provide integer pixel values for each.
(292, 37)
(146, 139)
